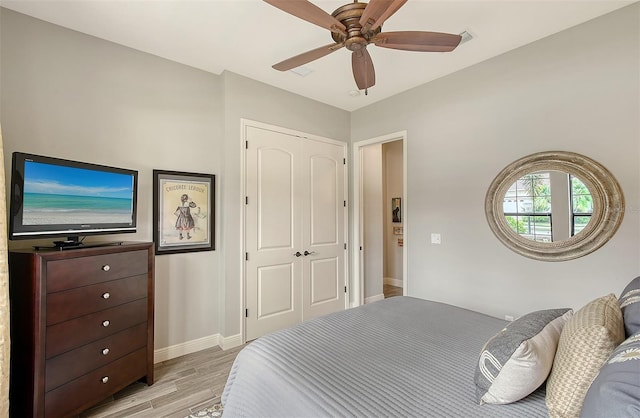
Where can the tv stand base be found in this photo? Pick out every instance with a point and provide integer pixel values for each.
(72, 245)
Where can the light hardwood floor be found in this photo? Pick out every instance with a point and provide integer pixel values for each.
(182, 386)
(390, 291)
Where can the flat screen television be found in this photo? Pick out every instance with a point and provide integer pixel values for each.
(52, 197)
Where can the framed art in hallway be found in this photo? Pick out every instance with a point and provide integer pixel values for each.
(396, 210)
(183, 212)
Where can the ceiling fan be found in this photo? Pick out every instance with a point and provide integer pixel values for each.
(356, 25)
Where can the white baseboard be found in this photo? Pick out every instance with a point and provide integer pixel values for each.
(393, 282)
(188, 347)
(215, 340)
(374, 298)
(230, 342)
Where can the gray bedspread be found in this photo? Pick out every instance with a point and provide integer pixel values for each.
(399, 357)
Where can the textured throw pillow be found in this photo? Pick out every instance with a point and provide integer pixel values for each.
(518, 359)
(587, 340)
(630, 305)
(616, 390)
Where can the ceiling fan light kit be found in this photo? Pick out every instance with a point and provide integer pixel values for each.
(356, 25)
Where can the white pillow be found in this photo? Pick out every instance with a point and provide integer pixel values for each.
(517, 360)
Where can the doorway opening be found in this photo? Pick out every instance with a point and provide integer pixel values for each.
(379, 259)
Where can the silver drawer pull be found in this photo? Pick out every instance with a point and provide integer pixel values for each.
(105, 323)
(106, 295)
(105, 351)
(106, 267)
(105, 379)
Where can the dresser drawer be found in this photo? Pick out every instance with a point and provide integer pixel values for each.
(83, 271)
(71, 334)
(75, 363)
(69, 304)
(93, 387)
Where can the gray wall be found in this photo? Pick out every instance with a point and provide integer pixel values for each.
(576, 91)
(72, 96)
(69, 95)
(372, 222)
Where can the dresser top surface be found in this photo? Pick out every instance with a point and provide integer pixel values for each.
(90, 249)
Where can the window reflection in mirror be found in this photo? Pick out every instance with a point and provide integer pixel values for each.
(581, 205)
(534, 212)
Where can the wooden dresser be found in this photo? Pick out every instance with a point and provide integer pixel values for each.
(81, 326)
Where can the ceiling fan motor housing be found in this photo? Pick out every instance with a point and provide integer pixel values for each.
(349, 15)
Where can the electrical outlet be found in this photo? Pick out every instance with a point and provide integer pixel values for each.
(435, 238)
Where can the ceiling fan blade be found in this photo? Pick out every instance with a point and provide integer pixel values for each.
(311, 13)
(377, 11)
(418, 41)
(363, 71)
(306, 57)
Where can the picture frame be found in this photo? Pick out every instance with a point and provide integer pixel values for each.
(396, 210)
(183, 212)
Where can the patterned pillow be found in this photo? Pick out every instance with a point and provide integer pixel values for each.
(518, 359)
(630, 304)
(586, 342)
(616, 390)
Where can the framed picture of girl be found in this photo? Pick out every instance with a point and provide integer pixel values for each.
(183, 212)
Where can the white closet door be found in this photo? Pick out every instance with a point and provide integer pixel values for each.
(294, 230)
(273, 232)
(323, 229)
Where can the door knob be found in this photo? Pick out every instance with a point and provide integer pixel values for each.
(297, 253)
(306, 253)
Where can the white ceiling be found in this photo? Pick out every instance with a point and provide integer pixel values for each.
(248, 36)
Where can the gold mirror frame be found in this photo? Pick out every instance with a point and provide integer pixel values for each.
(608, 205)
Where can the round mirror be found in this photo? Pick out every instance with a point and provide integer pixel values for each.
(554, 206)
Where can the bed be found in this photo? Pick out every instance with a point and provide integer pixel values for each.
(401, 356)
(409, 357)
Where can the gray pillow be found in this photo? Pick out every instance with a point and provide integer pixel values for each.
(615, 392)
(630, 306)
(517, 360)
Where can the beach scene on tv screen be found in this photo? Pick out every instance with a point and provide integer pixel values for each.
(58, 195)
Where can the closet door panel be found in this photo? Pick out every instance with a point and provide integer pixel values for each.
(273, 232)
(323, 229)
